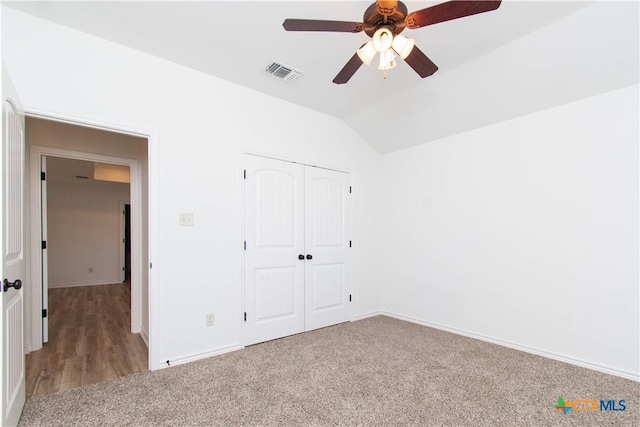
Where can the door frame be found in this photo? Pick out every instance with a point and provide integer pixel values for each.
(34, 302)
(36, 153)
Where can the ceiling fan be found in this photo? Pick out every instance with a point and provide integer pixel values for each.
(383, 21)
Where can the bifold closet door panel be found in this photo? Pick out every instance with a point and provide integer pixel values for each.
(327, 235)
(274, 233)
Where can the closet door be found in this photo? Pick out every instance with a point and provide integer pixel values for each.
(274, 232)
(327, 229)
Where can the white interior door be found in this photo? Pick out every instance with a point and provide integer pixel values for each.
(274, 233)
(13, 265)
(45, 256)
(123, 244)
(327, 240)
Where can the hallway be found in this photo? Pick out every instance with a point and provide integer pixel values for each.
(89, 340)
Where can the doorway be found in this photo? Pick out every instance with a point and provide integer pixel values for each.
(51, 139)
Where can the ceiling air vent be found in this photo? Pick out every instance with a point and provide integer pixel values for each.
(283, 72)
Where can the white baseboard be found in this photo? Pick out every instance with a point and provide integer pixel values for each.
(367, 315)
(78, 284)
(550, 355)
(192, 358)
(145, 337)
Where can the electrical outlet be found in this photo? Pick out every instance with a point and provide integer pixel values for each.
(186, 219)
(209, 319)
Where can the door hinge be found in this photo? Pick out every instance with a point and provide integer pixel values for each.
(349, 243)
(44, 244)
(44, 313)
(245, 245)
(245, 316)
(43, 176)
(349, 297)
(245, 174)
(150, 265)
(349, 189)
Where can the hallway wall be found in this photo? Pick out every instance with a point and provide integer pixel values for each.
(84, 228)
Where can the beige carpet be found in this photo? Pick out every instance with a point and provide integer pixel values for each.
(378, 371)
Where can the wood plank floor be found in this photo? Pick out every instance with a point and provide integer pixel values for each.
(89, 340)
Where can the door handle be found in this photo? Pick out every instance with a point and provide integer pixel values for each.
(300, 256)
(309, 256)
(7, 284)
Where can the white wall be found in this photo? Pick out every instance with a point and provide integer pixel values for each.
(199, 127)
(53, 134)
(84, 221)
(525, 232)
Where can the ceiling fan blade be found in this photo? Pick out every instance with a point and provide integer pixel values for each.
(348, 70)
(318, 25)
(420, 63)
(448, 11)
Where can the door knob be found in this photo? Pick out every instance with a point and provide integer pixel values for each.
(309, 256)
(7, 284)
(300, 256)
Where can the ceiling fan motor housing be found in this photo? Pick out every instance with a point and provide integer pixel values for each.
(383, 14)
(386, 7)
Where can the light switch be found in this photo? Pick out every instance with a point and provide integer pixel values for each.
(186, 219)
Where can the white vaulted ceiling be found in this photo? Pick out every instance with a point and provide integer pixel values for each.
(524, 57)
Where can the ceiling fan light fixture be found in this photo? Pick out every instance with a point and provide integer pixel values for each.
(382, 39)
(367, 52)
(382, 22)
(387, 60)
(403, 46)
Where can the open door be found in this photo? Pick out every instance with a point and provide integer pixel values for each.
(125, 239)
(45, 258)
(12, 387)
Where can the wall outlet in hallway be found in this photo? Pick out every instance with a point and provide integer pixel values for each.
(209, 319)
(186, 218)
